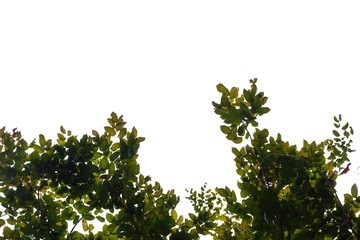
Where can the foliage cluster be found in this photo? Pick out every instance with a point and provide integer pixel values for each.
(50, 190)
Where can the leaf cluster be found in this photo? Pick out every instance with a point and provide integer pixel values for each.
(50, 190)
(47, 190)
(284, 192)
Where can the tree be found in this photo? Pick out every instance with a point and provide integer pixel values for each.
(285, 192)
(49, 191)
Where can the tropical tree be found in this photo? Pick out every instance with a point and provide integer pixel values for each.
(285, 192)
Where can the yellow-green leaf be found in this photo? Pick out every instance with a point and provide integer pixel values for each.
(110, 130)
(85, 225)
(234, 92)
(38, 149)
(7, 232)
(221, 88)
(174, 214)
(104, 163)
(354, 191)
(42, 140)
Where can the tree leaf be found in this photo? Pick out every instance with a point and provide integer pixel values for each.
(263, 110)
(62, 130)
(234, 92)
(109, 217)
(85, 225)
(174, 214)
(110, 130)
(104, 163)
(336, 133)
(88, 217)
(225, 129)
(42, 140)
(354, 191)
(221, 88)
(38, 149)
(7, 232)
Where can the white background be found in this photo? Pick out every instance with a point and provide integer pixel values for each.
(72, 63)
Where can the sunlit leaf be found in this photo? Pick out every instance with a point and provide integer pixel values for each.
(37, 148)
(221, 88)
(42, 140)
(234, 92)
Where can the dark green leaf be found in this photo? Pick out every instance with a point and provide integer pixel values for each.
(88, 217)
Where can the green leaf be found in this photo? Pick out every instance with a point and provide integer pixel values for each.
(88, 217)
(2, 222)
(231, 136)
(238, 140)
(348, 197)
(192, 217)
(336, 133)
(115, 146)
(11, 221)
(180, 220)
(100, 218)
(174, 214)
(110, 130)
(95, 133)
(225, 129)
(61, 137)
(42, 140)
(109, 217)
(241, 130)
(104, 163)
(345, 126)
(221, 192)
(85, 225)
(264, 133)
(38, 149)
(263, 110)
(354, 191)
(236, 152)
(221, 88)
(247, 96)
(234, 92)
(351, 131)
(7, 232)
(62, 130)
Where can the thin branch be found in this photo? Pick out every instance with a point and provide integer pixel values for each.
(73, 228)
